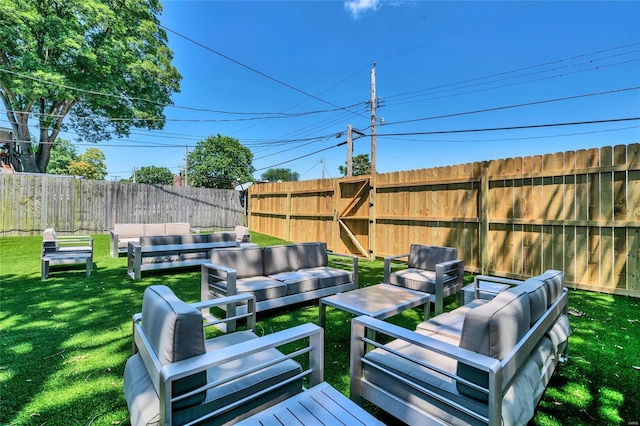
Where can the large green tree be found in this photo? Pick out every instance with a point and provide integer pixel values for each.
(90, 164)
(154, 175)
(62, 154)
(97, 67)
(218, 162)
(277, 175)
(360, 166)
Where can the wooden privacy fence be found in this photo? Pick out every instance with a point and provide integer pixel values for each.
(31, 203)
(578, 212)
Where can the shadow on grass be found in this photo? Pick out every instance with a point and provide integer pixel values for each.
(64, 342)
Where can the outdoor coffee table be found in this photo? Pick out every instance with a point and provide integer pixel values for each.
(379, 301)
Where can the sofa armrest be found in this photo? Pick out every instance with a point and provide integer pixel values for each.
(134, 260)
(114, 237)
(354, 264)
(212, 271)
(450, 267)
(231, 302)
(310, 334)
(367, 333)
(490, 279)
(389, 265)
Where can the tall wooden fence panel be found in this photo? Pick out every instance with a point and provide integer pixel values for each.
(31, 203)
(574, 211)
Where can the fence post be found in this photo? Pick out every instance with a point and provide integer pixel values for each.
(484, 218)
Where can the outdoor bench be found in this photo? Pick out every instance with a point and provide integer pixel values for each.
(487, 362)
(278, 275)
(123, 233)
(174, 251)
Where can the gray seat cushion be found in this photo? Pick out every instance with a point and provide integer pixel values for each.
(297, 281)
(449, 323)
(263, 288)
(328, 276)
(419, 279)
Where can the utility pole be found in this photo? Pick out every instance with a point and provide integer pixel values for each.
(349, 151)
(374, 101)
(134, 175)
(186, 165)
(322, 168)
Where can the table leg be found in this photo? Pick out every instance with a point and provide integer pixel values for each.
(322, 313)
(44, 269)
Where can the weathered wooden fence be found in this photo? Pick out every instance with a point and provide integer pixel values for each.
(31, 203)
(574, 211)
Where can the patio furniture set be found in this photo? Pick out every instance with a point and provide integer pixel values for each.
(486, 362)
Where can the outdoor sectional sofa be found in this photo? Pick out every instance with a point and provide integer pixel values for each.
(277, 275)
(122, 233)
(487, 362)
(174, 251)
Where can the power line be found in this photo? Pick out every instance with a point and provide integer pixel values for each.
(493, 129)
(500, 108)
(197, 43)
(554, 62)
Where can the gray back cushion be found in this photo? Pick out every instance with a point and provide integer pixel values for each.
(222, 237)
(174, 330)
(279, 259)
(159, 240)
(195, 238)
(312, 255)
(177, 228)
(426, 257)
(493, 329)
(154, 229)
(537, 291)
(128, 230)
(554, 280)
(247, 261)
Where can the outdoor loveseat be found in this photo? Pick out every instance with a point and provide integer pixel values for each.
(487, 362)
(277, 275)
(174, 251)
(122, 233)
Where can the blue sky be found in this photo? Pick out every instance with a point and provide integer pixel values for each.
(433, 59)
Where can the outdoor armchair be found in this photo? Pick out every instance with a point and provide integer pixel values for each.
(58, 250)
(178, 376)
(431, 269)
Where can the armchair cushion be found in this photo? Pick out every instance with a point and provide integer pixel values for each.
(175, 332)
(419, 279)
(427, 257)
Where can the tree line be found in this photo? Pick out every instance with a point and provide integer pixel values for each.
(65, 67)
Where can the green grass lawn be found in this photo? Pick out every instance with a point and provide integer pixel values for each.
(64, 342)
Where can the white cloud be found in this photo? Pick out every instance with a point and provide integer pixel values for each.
(358, 6)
